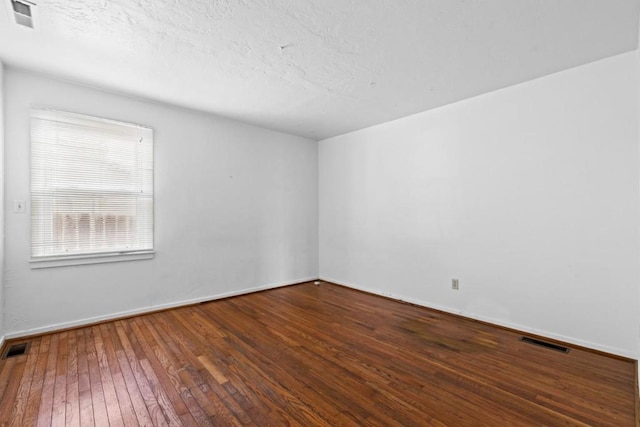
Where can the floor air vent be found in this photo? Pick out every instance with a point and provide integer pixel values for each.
(545, 344)
(16, 350)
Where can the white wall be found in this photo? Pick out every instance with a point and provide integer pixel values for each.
(529, 195)
(1, 203)
(236, 209)
(638, 123)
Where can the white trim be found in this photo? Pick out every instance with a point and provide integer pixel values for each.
(84, 116)
(49, 262)
(150, 309)
(569, 340)
(2, 341)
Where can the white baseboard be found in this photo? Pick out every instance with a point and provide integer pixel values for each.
(150, 309)
(497, 322)
(2, 340)
(146, 310)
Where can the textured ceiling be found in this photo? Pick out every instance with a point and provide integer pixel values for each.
(315, 68)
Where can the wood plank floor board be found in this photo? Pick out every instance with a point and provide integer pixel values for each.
(570, 386)
(58, 416)
(286, 365)
(434, 392)
(275, 382)
(170, 363)
(150, 400)
(22, 395)
(6, 376)
(85, 401)
(209, 394)
(111, 398)
(509, 377)
(474, 368)
(100, 412)
(125, 405)
(72, 399)
(164, 401)
(46, 402)
(11, 388)
(35, 392)
(135, 395)
(309, 355)
(168, 399)
(219, 348)
(213, 398)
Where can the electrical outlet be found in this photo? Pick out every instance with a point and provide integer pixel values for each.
(455, 285)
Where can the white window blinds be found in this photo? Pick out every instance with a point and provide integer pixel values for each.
(91, 185)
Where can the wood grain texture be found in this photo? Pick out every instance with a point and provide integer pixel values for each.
(637, 393)
(309, 355)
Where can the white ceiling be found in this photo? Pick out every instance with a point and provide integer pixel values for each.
(315, 68)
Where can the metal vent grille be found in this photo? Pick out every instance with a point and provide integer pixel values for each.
(16, 350)
(21, 8)
(545, 344)
(22, 12)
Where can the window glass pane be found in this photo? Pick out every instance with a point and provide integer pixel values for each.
(91, 185)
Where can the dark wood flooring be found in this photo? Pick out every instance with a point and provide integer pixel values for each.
(310, 356)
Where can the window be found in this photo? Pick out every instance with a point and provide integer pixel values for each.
(91, 187)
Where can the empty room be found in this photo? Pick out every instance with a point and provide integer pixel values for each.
(319, 212)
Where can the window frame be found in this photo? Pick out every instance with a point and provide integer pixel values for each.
(96, 257)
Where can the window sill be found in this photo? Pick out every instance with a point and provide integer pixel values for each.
(49, 262)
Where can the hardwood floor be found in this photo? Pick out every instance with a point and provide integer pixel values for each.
(311, 356)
